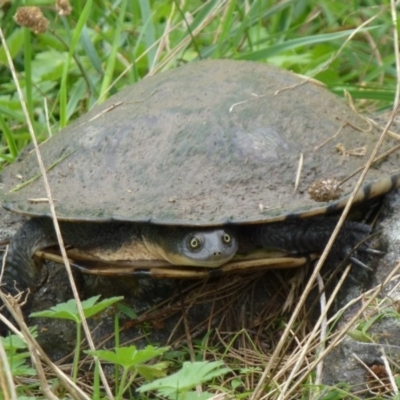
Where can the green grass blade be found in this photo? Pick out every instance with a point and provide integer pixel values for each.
(294, 44)
(64, 81)
(90, 50)
(9, 138)
(149, 31)
(108, 76)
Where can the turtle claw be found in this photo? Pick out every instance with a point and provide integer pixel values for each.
(375, 252)
(356, 261)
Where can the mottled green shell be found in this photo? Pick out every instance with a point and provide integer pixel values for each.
(209, 143)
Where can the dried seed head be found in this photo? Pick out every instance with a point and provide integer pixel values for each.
(63, 7)
(31, 17)
(378, 371)
(325, 190)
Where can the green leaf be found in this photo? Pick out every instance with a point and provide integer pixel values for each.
(18, 365)
(187, 378)
(48, 65)
(193, 395)
(235, 383)
(129, 357)
(152, 371)
(14, 342)
(17, 359)
(360, 336)
(128, 311)
(69, 309)
(15, 42)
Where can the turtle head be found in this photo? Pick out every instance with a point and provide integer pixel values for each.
(200, 247)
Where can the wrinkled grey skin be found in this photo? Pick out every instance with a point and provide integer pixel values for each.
(298, 237)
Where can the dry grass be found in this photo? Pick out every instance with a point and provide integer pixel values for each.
(276, 342)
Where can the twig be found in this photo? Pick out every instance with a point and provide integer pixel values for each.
(324, 329)
(389, 373)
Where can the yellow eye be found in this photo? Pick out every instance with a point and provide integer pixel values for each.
(194, 243)
(226, 238)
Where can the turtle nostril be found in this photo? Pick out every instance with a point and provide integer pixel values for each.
(217, 253)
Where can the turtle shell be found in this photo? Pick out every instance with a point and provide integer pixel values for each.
(209, 143)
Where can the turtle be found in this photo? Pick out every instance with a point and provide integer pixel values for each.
(196, 169)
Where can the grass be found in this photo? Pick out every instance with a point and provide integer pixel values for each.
(103, 46)
(96, 51)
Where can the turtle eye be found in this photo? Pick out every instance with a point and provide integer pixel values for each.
(226, 238)
(194, 243)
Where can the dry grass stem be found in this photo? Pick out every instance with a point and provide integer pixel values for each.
(313, 337)
(313, 277)
(3, 265)
(298, 174)
(105, 111)
(324, 329)
(278, 355)
(173, 52)
(389, 373)
(390, 133)
(332, 137)
(338, 336)
(377, 159)
(53, 212)
(395, 288)
(350, 37)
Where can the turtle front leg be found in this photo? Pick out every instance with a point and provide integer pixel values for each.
(21, 266)
(299, 237)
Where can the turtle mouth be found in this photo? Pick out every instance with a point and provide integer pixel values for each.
(213, 261)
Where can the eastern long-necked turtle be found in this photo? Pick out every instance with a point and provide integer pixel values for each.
(197, 165)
